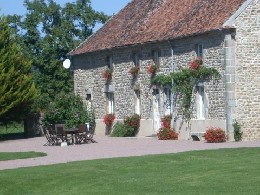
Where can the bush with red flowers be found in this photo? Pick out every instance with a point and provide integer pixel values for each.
(107, 74)
(166, 121)
(167, 134)
(134, 71)
(152, 69)
(133, 121)
(108, 119)
(215, 135)
(196, 64)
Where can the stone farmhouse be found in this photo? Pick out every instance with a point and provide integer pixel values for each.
(170, 33)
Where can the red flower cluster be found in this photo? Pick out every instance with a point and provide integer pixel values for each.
(195, 64)
(166, 132)
(133, 121)
(152, 69)
(107, 74)
(166, 121)
(108, 119)
(134, 71)
(215, 135)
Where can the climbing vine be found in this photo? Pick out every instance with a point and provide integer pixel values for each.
(184, 81)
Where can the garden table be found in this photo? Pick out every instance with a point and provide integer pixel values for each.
(73, 132)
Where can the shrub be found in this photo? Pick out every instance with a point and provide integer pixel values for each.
(215, 135)
(133, 122)
(166, 121)
(68, 109)
(237, 131)
(122, 130)
(166, 133)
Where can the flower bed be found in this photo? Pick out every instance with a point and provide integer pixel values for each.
(166, 132)
(215, 135)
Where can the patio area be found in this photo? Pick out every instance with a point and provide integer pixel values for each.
(107, 147)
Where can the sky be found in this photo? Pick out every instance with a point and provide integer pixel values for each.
(109, 7)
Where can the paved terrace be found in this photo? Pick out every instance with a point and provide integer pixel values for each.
(107, 147)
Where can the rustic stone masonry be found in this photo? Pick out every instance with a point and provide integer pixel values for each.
(247, 78)
(234, 51)
(88, 76)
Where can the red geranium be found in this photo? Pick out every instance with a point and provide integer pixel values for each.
(107, 74)
(152, 69)
(108, 119)
(134, 71)
(215, 135)
(195, 64)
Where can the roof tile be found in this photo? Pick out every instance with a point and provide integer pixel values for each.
(144, 21)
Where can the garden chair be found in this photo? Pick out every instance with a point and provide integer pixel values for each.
(48, 132)
(84, 134)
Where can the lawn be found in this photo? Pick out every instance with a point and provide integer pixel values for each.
(225, 171)
(19, 155)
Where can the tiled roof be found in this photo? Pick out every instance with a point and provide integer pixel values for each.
(143, 21)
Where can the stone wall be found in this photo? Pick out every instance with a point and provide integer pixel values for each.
(88, 77)
(248, 71)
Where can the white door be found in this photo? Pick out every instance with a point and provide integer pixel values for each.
(156, 110)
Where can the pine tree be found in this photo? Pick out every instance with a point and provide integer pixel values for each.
(17, 89)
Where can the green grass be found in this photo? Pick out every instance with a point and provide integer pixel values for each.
(19, 155)
(225, 171)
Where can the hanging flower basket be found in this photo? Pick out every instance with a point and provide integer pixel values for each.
(134, 71)
(108, 119)
(196, 64)
(152, 69)
(107, 74)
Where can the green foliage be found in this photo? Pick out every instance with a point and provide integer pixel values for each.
(237, 131)
(183, 83)
(47, 33)
(122, 130)
(68, 109)
(119, 130)
(17, 91)
(133, 122)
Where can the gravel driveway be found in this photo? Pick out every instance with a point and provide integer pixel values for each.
(107, 147)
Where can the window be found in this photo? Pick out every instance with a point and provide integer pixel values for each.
(137, 102)
(156, 54)
(201, 107)
(135, 58)
(199, 50)
(110, 103)
(167, 101)
(109, 62)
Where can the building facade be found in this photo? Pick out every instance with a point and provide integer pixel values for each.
(233, 49)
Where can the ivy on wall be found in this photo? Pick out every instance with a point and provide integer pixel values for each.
(184, 81)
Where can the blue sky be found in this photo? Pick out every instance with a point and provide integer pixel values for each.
(107, 6)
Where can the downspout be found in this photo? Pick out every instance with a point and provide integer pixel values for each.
(173, 68)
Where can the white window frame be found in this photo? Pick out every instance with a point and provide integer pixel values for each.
(137, 102)
(168, 101)
(110, 101)
(201, 108)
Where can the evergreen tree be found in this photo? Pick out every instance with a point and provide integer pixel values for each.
(17, 89)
